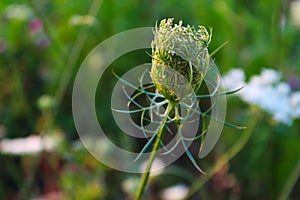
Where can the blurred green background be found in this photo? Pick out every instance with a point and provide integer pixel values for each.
(43, 43)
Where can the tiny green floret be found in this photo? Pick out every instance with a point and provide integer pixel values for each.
(179, 48)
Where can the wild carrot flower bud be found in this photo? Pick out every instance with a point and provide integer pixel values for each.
(181, 49)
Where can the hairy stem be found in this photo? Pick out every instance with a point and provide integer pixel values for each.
(145, 177)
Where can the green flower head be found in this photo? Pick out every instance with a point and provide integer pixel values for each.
(180, 48)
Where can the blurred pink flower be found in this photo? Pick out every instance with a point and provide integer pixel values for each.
(36, 26)
(223, 180)
(42, 42)
(294, 81)
(3, 46)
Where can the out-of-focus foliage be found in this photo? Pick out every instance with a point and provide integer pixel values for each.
(42, 44)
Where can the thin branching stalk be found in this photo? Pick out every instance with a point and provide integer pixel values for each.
(63, 80)
(291, 181)
(73, 58)
(145, 176)
(70, 58)
(224, 158)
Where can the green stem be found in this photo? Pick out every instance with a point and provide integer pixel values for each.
(218, 49)
(145, 177)
(62, 86)
(73, 59)
(291, 181)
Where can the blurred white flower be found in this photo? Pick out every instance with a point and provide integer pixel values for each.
(18, 12)
(78, 20)
(45, 102)
(234, 79)
(29, 145)
(130, 185)
(176, 192)
(268, 92)
(283, 88)
(270, 76)
(156, 169)
(295, 13)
